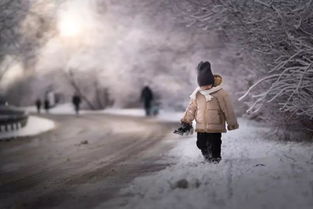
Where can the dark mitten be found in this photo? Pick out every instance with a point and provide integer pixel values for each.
(185, 128)
(232, 127)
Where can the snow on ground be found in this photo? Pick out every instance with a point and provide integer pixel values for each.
(66, 108)
(128, 111)
(164, 115)
(255, 173)
(35, 126)
(137, 112)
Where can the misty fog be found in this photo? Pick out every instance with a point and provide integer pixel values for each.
(98, 107)
(120, 47)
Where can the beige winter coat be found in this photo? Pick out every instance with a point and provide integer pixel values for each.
(211, 115)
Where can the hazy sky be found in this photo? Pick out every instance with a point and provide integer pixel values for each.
(126, 43)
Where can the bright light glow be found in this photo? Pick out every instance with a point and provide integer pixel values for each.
(69, 26)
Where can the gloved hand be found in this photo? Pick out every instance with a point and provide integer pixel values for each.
(232, 127)
(185, 128)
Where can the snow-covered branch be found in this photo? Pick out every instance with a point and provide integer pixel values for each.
(279, 33)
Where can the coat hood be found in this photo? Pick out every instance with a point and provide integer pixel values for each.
(218, 79)
(207, 93)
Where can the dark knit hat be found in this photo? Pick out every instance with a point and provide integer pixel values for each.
(205, 76)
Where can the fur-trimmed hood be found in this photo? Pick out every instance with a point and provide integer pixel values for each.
(207, 93)
(218, 80)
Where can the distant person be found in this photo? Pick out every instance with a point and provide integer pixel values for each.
(38, 105)
(211, 107)
(47, 105)
(76, 100)
(147, 98)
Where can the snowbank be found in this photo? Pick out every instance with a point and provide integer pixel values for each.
(128, 112)
(35, 126)
(254, 173)
(163, 115)
(67, 109)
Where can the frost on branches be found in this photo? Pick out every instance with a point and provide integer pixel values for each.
(279, 33)
(23, 27)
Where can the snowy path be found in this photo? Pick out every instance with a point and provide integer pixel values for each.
(119, 167)
(255, 173)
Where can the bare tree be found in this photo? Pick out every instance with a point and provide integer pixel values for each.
(88, 88)
(24, 27)
(11, 15)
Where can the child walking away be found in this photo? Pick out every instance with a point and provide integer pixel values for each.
(211, 107)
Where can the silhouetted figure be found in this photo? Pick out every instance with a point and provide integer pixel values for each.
(76, 100)
(47, 105)
(147, 98)
(38, 105)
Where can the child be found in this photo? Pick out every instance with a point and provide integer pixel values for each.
(210, 106)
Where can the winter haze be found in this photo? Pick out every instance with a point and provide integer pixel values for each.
(117, 45)
(156, 104)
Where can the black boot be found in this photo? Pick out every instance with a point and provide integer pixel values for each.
(207, 152)
(216, 148)
(207, 156)
(216, 160)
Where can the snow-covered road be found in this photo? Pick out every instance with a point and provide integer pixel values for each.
(256, 173)
(105, 161)
(84, 161)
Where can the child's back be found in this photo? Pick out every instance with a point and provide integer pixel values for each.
(211, 108)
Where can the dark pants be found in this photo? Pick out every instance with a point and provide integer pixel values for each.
(76, 108)
(148, 105)
(210, 144)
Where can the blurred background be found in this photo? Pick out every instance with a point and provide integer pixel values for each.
(106, 52)
(92, 90)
